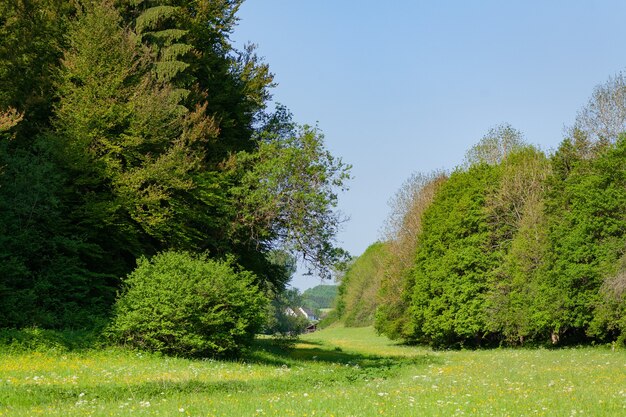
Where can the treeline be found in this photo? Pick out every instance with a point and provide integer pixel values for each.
(133, 128)
(516, 246)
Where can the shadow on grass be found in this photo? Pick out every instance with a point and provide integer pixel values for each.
(268, 352)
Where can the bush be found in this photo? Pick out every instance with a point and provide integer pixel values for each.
(186, 305)
(49, 341)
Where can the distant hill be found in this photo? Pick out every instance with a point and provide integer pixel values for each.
(322, 296)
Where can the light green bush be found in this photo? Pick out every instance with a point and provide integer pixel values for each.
(187, 305)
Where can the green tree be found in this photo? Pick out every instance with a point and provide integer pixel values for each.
(43, 278)
(609, 321)
(31, 43)
(358, 290)
(281, 318)
(190, 41)
(587, 231)
(132, 151)
(287, 195)
(454, 258)
(402, 231)
(519, 232)
(495, 145)
(319, 297)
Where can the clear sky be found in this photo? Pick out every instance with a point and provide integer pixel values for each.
(407, 85)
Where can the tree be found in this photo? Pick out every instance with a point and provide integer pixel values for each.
(281, 321)
(609, 320)
(190, 40)
(519, 232)
(358, 290)
(145, 131)
(495, 145)
(402, 231)
(603, 119)
(587, 233)
(287, 196)
(31, 43)
(43, 277)
(319, 297)
(453, 261)
(132, 151)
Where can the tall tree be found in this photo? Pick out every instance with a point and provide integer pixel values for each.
(358, 290)
(131, 150)
(495, 145)
(585, 204)
(31, 43)
(454, 258)
(43, 277)
(288, 194)
(190, 40)
(402, 232)
(603, 119)
(519, 232)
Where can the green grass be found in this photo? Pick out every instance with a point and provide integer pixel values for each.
(334, 372)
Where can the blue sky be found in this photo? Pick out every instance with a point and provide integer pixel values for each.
(405, 86)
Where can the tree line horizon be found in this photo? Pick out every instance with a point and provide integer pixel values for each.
(515, 246)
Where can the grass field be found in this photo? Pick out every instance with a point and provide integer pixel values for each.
(334, 372)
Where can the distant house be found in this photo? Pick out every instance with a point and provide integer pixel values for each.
(309, 314)
(301, 312)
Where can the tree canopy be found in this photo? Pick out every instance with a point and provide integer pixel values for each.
(132, 128)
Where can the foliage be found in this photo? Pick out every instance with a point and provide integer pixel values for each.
(29, 340)
(357, 293)
(320, 296)
(587, 235)
(280, 321)
(134, 127)
(402, 231)
(31, 44)
(518, 231)
(603, 119)
(288, 194)
(44, 280)
(454, 260)
(610, 313)
(495, 145)
(186, 305)
(131, 150)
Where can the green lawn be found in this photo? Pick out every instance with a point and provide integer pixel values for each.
(334, 372)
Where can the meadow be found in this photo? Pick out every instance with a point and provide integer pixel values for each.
(334, 372)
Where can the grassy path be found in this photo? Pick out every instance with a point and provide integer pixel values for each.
(335, 372)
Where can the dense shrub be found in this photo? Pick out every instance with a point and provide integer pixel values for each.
(188, 305)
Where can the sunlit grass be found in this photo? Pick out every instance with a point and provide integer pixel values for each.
(338, 371)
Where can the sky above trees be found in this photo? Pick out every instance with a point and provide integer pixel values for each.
(410, 86)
